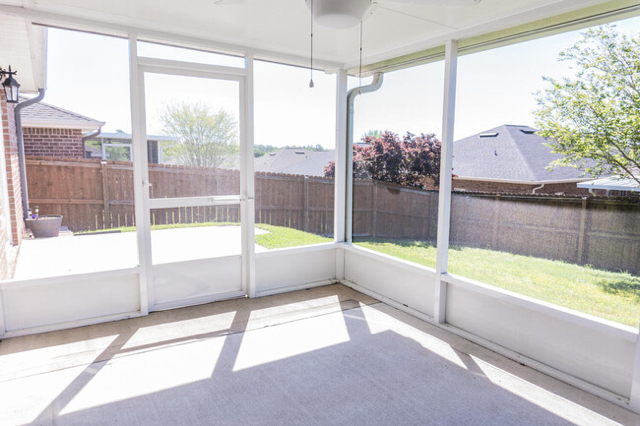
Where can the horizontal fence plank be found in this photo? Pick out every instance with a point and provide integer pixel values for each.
(35, 201)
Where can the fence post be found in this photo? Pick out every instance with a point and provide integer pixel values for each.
(581, 232)
(106, 205)
(305, 212)
(496, 222)
(374, 210)
(218, 173)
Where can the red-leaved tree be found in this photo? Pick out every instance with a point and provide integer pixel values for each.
(409, 161)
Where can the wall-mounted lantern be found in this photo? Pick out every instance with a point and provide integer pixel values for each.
(10, 85)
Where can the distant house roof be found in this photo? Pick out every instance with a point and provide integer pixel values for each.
(295, 162)
(121, 136)
(46, 115)
(613, 183)
(509, 153)
(92, 151)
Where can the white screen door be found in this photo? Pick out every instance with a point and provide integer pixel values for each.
(194, 145)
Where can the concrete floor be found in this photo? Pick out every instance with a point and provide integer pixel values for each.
(64, 255)
(324, 356)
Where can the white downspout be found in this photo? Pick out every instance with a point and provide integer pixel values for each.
(378, 78)
(533, 191)
(21, 155)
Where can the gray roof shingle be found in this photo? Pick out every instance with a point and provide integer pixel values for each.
(42, 113)
(508, 152)
(295, 162)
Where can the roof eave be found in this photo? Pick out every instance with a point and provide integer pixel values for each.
(522, 182)
(66, 124)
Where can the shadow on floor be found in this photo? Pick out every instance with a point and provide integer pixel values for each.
(317, 357)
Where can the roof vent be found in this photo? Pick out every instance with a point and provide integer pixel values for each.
(528, 131)
(488, 135)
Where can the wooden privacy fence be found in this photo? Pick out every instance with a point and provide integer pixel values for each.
(92, 195)
(603, 233)
(384, 210)
(99, 195)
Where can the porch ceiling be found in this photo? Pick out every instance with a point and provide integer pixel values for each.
(22, 46)
(279, 29)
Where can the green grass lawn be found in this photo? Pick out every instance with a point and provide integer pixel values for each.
(611, 295)
(280, 237)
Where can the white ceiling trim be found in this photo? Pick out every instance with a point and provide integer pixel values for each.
(119, 30)
(605, 12)
(38, 48)
(521, 18)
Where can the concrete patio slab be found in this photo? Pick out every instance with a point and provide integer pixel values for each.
(47, 257)
(325, 356)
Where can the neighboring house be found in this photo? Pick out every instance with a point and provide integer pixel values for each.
(511, 159)
(613, 185)
(122, 141)
(50, 131)
(92, 152)
(295, 162)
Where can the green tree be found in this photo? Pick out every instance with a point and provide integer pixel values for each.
(374, 133)
(409, 161)
(593, 118)
(260, 150)
(207, 139)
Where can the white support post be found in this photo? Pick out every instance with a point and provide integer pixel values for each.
(446, 167)
(3, 326)
(341, 216)
(634, 399)
(247, 182)
(140, 177)
(5, 217)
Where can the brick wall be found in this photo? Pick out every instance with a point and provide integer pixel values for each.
(4, 239)
(13, 170)
(511, 188)
(10, 241)
(61, 143)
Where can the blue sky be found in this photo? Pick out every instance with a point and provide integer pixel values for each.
(89, 74)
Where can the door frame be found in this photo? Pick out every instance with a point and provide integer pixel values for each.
(144, 204)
